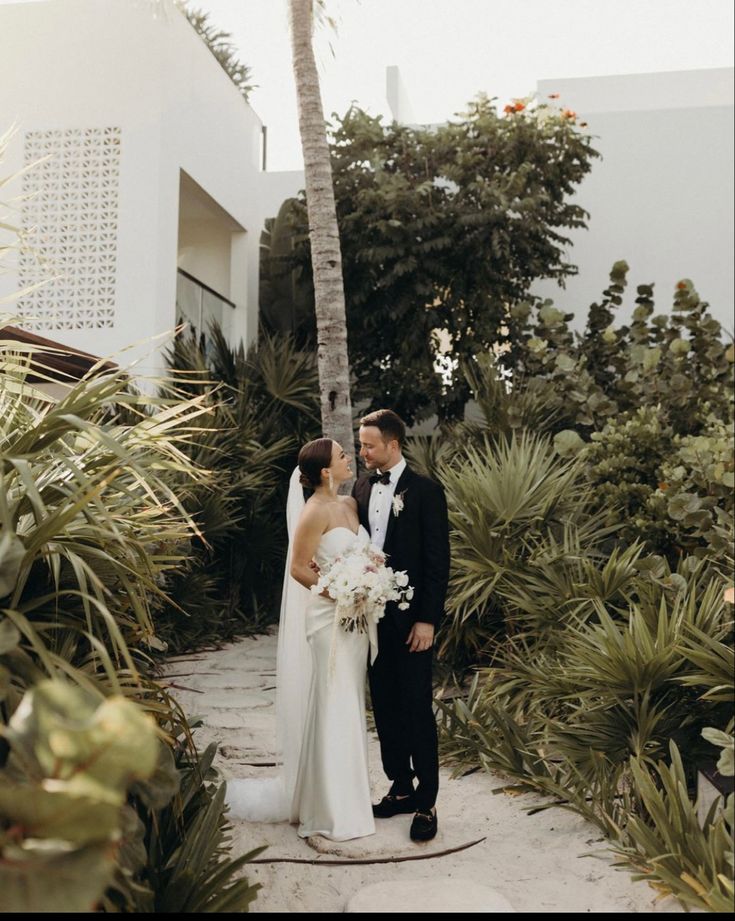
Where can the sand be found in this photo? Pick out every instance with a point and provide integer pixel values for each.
(525, 863)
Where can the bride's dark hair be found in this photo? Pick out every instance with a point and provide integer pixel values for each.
(313, 458)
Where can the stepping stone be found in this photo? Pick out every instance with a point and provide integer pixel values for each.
(392, 839)
(257, 723)
(231, 680)
(244, 753)
(423, 895)
(227, 719)
(234, 700)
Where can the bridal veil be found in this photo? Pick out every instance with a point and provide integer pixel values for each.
(269, 799)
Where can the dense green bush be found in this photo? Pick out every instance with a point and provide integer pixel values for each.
(90, 522)
(676, 363)
(440, 230)
(523, 538)
(591, 509)
(261, 407)
(586, 710)
(674, 492)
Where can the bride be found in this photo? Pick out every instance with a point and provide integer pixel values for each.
(321, 671)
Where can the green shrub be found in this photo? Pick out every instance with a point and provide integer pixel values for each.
(523, 536)
(623, 465)
(73, 756)
(262, 407)
(581, 709)
(696, 488)
(90, 523)
(677, 362)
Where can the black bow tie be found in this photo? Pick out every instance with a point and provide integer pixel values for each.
(383, 478)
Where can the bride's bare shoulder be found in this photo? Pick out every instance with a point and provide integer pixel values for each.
(349, 501)
(314, 513)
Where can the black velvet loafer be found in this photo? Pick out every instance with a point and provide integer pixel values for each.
(424, 826)
(393, 805)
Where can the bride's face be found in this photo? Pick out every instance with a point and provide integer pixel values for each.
(340, 466)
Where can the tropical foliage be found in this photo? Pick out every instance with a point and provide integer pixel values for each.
(221, 46)
(90, 525)
(592, 525)
(441, 230)
(62, 793)
(261, 407)
(286, 294)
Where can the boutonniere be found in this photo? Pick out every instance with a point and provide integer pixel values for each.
(398, 503)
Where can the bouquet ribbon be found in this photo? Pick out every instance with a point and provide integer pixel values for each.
(372, 632)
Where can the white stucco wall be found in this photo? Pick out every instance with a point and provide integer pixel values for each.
(96, 63)
(661, 196)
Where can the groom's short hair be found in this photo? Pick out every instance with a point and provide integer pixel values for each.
(390, 424)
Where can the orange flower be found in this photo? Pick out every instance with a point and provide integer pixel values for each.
(569, 113)
(663, 486)
(520, 106)
(681, 285)
(509, 110)
(729, 596)
(553, 95)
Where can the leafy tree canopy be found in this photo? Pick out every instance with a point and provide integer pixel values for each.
(443, 229)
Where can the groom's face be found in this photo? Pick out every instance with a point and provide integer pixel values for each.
(375, 450)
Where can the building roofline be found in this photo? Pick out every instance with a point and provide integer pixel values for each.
(54, 359)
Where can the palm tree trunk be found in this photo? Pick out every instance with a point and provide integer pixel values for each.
(326, 257)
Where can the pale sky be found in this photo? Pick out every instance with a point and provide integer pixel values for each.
(449, 50)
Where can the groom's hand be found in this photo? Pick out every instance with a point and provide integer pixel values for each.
(421, 637)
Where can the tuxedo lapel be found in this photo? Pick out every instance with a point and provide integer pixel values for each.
(403, 483)
(362, 494)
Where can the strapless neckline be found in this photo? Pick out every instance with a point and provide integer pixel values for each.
(342, 527)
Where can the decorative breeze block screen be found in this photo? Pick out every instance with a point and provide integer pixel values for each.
(70, 213)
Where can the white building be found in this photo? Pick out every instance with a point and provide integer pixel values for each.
(661, 196)
(151, 188)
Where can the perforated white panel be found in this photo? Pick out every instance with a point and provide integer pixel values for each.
(70, 214)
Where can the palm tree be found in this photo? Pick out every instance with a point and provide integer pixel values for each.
(326, 257)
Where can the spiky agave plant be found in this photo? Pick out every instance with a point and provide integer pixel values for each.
(520, 521)
(670, 847)
(585, 721)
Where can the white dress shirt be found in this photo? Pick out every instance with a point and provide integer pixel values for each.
(381, 504)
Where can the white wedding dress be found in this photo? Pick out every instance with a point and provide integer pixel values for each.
(332, 793)
(321, 726)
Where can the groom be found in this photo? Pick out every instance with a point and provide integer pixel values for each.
(406, 515)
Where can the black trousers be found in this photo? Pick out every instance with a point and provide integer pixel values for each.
(401, 692)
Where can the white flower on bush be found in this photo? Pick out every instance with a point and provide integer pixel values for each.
(398, 503)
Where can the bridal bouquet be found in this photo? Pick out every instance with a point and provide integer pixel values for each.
(361, 584)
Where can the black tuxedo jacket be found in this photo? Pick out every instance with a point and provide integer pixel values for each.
(416, 541)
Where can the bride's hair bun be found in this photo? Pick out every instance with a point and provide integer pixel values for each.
(313, 458)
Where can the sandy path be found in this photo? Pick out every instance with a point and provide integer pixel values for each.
(536, 863)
